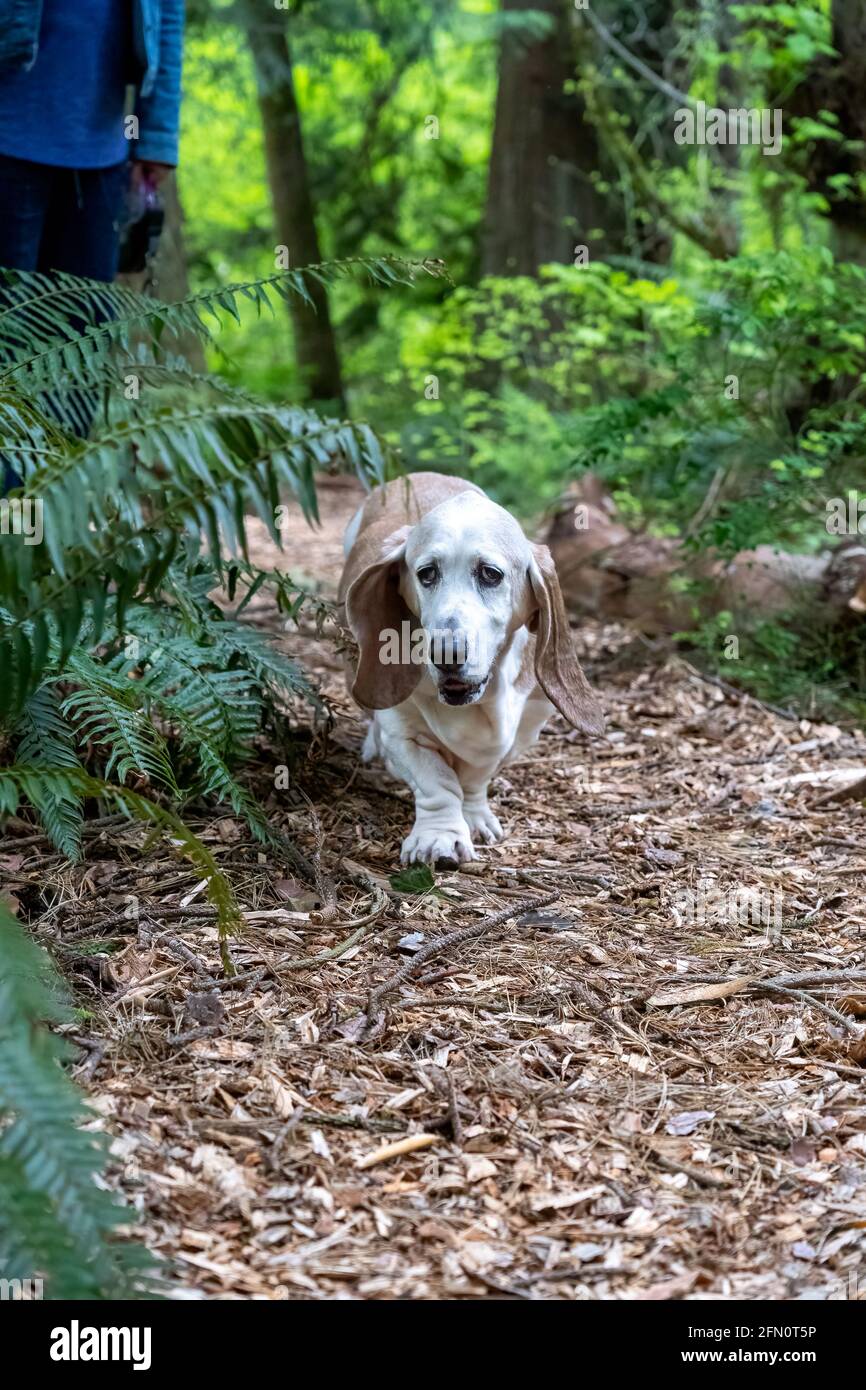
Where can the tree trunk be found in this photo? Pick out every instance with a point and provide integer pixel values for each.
(612, 573)
(294, 215)
(542, 200)
(838, 85)
(849, 38)
(170, 279)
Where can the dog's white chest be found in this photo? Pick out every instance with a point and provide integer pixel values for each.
(482, 734)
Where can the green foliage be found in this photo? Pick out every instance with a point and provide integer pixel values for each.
(655, 385)
(169, 456)
(56, 1223)
(180, 698)
(367, 76)
(114, 660)
(418, 878)
(34, 784)
(528, 368)
(725, 407)
(818, 671)
(108, 639)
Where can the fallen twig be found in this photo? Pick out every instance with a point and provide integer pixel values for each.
(805, 997)
(181, 950)
(841, 1067)
(855, 791)
(207, 1030)
(805, 979)
(445, 942)
(444, 1082)
(362, 925)
(706, 989)
(400, 1146)
(742, 696)
(325, 886)
(696, 1176)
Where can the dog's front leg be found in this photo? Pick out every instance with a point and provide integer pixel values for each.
(440, 834)
(483, 825)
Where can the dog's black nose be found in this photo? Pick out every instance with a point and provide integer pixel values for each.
(447, 661)
(449, 648)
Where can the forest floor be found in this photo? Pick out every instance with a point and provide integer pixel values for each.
(651, 1087)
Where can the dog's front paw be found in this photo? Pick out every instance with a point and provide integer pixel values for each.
(445, 847)
(483, 825)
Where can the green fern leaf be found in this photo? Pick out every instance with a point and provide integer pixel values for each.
(47, 741)
(56, 1223)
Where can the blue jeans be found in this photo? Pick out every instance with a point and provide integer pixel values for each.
(59, 219)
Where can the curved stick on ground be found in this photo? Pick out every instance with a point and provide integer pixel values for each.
(444, 943)
(855, 791)
(324, 883)
(361, 924)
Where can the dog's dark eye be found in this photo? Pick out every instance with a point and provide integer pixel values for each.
(427, 575)
(489, 576)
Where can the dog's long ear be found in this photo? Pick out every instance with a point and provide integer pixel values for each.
(557, 669)
(375, 610)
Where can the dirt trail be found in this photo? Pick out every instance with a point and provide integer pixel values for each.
(588, 1135)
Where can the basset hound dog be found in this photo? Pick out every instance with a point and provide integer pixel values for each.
(464, 651)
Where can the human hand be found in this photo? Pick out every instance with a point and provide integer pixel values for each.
(148, 171)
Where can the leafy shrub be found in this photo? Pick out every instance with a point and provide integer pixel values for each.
(593, 368)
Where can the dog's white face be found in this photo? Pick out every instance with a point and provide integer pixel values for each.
(465, 576)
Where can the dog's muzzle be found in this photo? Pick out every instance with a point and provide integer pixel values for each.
(451, 652)
(454, 690)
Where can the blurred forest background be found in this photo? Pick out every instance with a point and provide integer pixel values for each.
(685, 321)
(651, 349)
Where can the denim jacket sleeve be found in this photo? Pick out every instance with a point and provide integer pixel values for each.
(19, 33)
(158, 105)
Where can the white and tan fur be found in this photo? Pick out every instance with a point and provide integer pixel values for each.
(427, 549)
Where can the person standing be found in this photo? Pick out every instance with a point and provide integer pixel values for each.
(89, 106)
(72, 134)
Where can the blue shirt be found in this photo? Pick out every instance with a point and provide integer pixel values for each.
(69, 108)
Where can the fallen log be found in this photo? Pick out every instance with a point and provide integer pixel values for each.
(610, 572)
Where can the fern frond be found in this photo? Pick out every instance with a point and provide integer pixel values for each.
(101, 530)
(56, 1223)
(152, 478)
(47, 741)
(32, 783)
(218, 783)
(108, 713)
(40, 348)
(275, 672)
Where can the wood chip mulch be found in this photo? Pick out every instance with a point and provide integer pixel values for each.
(650, 1086)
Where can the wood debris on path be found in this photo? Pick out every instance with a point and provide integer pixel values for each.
(653, 1082)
